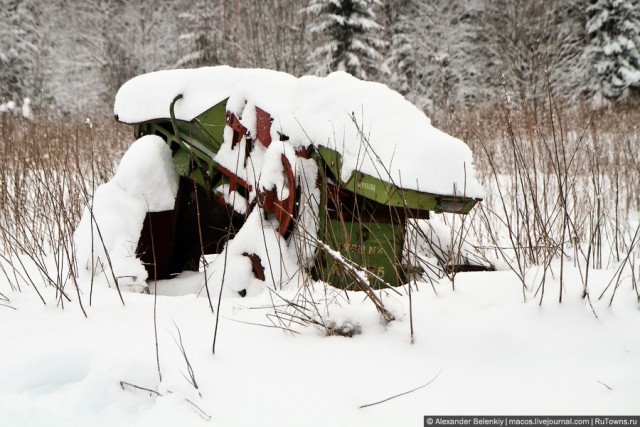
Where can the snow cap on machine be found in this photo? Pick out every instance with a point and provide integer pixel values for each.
(375, 129)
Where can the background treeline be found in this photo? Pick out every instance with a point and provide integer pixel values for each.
(442, 54)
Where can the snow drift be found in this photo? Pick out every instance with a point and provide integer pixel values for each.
(145, 181)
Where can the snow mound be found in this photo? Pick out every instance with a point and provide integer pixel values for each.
(257, 237)
(146, 170)
(375, 129)
(145, 181)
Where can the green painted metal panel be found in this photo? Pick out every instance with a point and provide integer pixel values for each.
(198, 141)
(375, 246)
(212, 123)
(181, 160)
(388, 193)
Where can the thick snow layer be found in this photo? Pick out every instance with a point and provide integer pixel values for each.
(111, 225)
(146, 170)
(258, 236)
(377, 130)
(486, 350)
(145, 181)
(148, 97)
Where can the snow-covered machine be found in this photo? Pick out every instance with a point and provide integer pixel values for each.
(335, 165)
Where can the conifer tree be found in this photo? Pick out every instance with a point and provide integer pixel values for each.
(349, 37)
(613, 51)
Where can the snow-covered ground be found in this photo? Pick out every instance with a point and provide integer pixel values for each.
(481, 348)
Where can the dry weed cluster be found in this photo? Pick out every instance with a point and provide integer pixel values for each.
(49, 168)
(562, 185)
(563, 188)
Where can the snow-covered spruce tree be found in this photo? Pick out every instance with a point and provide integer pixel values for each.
(613, 50)
(348, 37)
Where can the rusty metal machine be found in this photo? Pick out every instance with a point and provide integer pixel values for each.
(362, 217)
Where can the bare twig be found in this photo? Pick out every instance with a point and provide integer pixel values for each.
(404, 393)
(125, 385)
(192, 376)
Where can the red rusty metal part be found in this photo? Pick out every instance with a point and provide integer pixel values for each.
(256, 265)
(248, 146)
(157, 242)
(282, 209)
(234, 179)
(238, 129)
(263, 127)
(304, 152)
(173, 241)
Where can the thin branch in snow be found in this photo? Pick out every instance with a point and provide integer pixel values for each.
(404, 393)
(192, 376)
(126, 386)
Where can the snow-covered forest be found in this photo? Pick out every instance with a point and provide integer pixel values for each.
(440, 54)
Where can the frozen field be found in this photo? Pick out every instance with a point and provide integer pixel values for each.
(481, 349)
